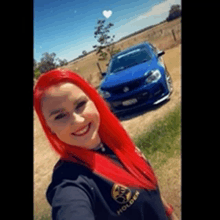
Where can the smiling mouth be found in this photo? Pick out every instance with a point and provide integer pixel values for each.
(82, 131)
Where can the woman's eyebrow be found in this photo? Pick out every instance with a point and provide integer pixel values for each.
(79, 99)
(62, 109)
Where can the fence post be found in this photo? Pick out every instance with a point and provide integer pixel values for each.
(99, 68)
(174, 37)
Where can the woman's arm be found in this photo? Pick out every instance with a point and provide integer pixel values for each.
(173, 217)
(167, 207)
(71, 202)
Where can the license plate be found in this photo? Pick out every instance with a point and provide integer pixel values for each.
(129, 102)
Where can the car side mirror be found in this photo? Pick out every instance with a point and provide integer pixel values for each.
(160, 53)
(104, 74)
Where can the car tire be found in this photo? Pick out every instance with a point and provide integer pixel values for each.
(169, 84)
(169, 81)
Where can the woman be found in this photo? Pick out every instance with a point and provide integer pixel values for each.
(101, 174)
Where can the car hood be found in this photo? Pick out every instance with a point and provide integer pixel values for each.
(127, 75)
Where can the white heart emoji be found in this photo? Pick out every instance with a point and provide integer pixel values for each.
(107, 14)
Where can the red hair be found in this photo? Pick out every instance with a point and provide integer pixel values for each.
(135, 171)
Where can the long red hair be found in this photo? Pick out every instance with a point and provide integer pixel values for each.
(135, 171)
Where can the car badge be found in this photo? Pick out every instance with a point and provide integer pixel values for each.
(126, 89)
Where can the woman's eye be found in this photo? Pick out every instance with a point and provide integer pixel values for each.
(80, 104)
(60, 116)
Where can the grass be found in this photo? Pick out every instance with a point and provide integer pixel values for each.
(161, 146)
(161, 138)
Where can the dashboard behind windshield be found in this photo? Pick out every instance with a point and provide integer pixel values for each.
(129, 59)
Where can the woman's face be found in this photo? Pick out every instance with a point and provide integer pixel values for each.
(71, 115)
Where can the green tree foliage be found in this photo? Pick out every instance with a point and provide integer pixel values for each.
(105, 41)
(47, 62)
(84, 52)
(174, 12)
(61, 62)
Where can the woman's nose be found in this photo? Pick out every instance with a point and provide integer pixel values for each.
(77, 118)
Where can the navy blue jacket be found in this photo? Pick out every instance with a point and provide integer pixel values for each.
(75, 193)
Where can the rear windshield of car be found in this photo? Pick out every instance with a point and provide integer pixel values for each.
(129, 59)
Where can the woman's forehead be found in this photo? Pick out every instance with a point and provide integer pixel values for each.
(60, 93)
(64, 89)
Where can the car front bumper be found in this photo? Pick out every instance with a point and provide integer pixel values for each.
(145, 97)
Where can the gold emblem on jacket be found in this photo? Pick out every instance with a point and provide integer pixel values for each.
(121, 194)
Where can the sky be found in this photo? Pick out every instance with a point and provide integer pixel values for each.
(66, 27)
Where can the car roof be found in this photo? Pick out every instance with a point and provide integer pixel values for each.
(132, 48)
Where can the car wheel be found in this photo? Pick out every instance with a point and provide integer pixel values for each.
(169, 81)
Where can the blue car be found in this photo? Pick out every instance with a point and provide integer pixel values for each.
(136, 77)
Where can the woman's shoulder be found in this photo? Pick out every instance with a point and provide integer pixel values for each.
(67, 173)
(64, 169)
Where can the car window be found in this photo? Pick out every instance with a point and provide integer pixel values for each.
(129, 53)
(129, 59)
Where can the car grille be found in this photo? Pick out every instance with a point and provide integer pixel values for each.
(131, 85)
(142, 97)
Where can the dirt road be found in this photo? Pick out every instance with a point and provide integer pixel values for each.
(44, 157)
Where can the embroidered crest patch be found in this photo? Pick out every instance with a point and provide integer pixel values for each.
(121, 194)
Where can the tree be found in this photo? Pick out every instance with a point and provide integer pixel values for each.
(105, 41)
(47, 62)
(34, 64)
(84, 53)
(61, 62)
(174, 12)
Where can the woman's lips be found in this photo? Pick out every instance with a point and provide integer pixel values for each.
(82, 131)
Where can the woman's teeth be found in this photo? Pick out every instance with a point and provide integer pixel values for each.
(84, 130)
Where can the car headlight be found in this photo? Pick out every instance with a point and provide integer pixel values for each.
(152, 76)
(104, 94)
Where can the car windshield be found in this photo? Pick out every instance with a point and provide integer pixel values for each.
(129, 59)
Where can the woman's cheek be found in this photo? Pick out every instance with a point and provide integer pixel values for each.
(91, 112)
(60, 128)
(63, 134)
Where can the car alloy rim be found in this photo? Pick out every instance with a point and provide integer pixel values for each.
(169, 84)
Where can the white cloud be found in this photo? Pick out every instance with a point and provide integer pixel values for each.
(156, 14)
(159, 9)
